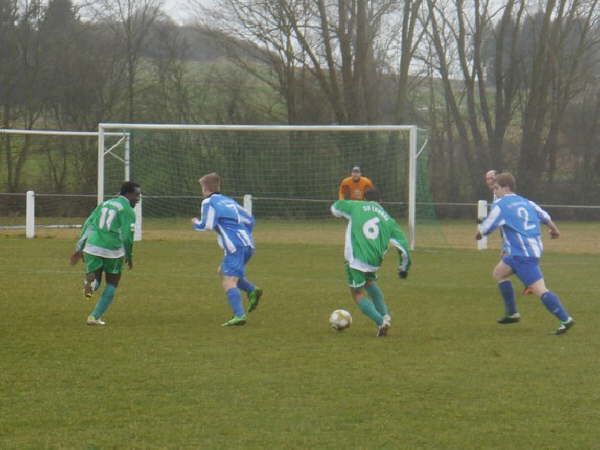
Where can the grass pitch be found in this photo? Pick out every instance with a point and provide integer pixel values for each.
(164, 374)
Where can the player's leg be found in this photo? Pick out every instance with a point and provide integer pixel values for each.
(93, 274)
(365, 305)
(553, 304)
(376, 294)
(112, 270)
(232, 269)
(502, 273)
(91, 282)
(379, 302)
(234, 298)
(357, 280)
(254, 293)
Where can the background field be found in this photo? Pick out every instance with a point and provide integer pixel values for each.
(164, 374)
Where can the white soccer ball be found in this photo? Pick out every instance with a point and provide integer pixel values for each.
(340, 319)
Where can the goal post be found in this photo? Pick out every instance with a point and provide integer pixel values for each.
(56, 169)
(297, 149)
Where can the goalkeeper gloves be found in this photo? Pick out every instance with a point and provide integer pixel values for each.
(402, 274)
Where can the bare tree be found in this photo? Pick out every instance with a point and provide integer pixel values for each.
(131, 21)
(503, 69)
(21, 92)
(563, 41)
(336, 46)
(409, 43)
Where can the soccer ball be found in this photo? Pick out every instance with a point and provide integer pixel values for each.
(340, 319)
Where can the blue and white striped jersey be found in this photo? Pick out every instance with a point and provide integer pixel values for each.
(519, 219)
(505, 246)
(232, 223)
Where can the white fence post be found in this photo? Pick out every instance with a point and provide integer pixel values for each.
(482, 211)
(137, 228)
(30, 215)
(248, 203)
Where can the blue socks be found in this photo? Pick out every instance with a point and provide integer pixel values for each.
(245, 285)
(552, 304)
(508, 295)
(234, 297)
(104, 301)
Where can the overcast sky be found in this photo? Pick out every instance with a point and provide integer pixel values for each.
(181, 10)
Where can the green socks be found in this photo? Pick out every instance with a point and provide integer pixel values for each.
(377, 297)
(104, 301)
(368, 309)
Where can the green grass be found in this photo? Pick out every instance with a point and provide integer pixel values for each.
(164, 374)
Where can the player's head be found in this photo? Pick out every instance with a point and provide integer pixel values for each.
(490, 178)
(210, 183)
(131, 191)
(356, 173)
(505, 184)
(372, 195)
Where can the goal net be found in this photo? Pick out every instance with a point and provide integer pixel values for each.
(58, 169)
(290, 173)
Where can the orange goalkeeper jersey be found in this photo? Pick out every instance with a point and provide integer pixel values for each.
(354, 190)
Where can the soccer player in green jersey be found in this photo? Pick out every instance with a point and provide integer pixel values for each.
(370, 231)
(106, 240)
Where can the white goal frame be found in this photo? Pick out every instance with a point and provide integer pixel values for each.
(125, 138)
(30, 195)
(414, 152)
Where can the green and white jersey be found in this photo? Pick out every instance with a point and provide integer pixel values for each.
(368, 236)
(108, 231)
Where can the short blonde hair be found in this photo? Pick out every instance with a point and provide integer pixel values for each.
(505, 179)
(211, 182)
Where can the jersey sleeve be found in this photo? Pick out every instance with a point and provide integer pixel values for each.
(246, 218)
(85, 229)
(368, 184)
(541, 213)
(492, 221)
(399, 241)
(208, 216)
(342, 208)
(126, 231)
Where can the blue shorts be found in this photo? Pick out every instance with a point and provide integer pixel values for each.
(233, 264)
(526, 268)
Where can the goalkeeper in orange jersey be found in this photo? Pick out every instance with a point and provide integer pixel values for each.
(355, 186)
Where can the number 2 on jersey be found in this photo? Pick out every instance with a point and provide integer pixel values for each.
(106, 218)
(371, 229)
(523, 214)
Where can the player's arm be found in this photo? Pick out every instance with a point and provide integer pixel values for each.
(554, 232)
(399, 241)
(245, 218)
(83, 235)
(491, 222)
(546, 220)
(208, 216)
(342, 208)
(126, 232)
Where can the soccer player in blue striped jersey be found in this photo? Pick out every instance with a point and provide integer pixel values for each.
(490, 182)
(520, 219)
(233, 225)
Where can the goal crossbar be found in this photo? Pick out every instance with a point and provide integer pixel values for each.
(57, 132)
(103, 129)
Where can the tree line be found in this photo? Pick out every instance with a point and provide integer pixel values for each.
(507, 85)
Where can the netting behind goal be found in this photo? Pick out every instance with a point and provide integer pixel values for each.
(291, 175)
(60, 167)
